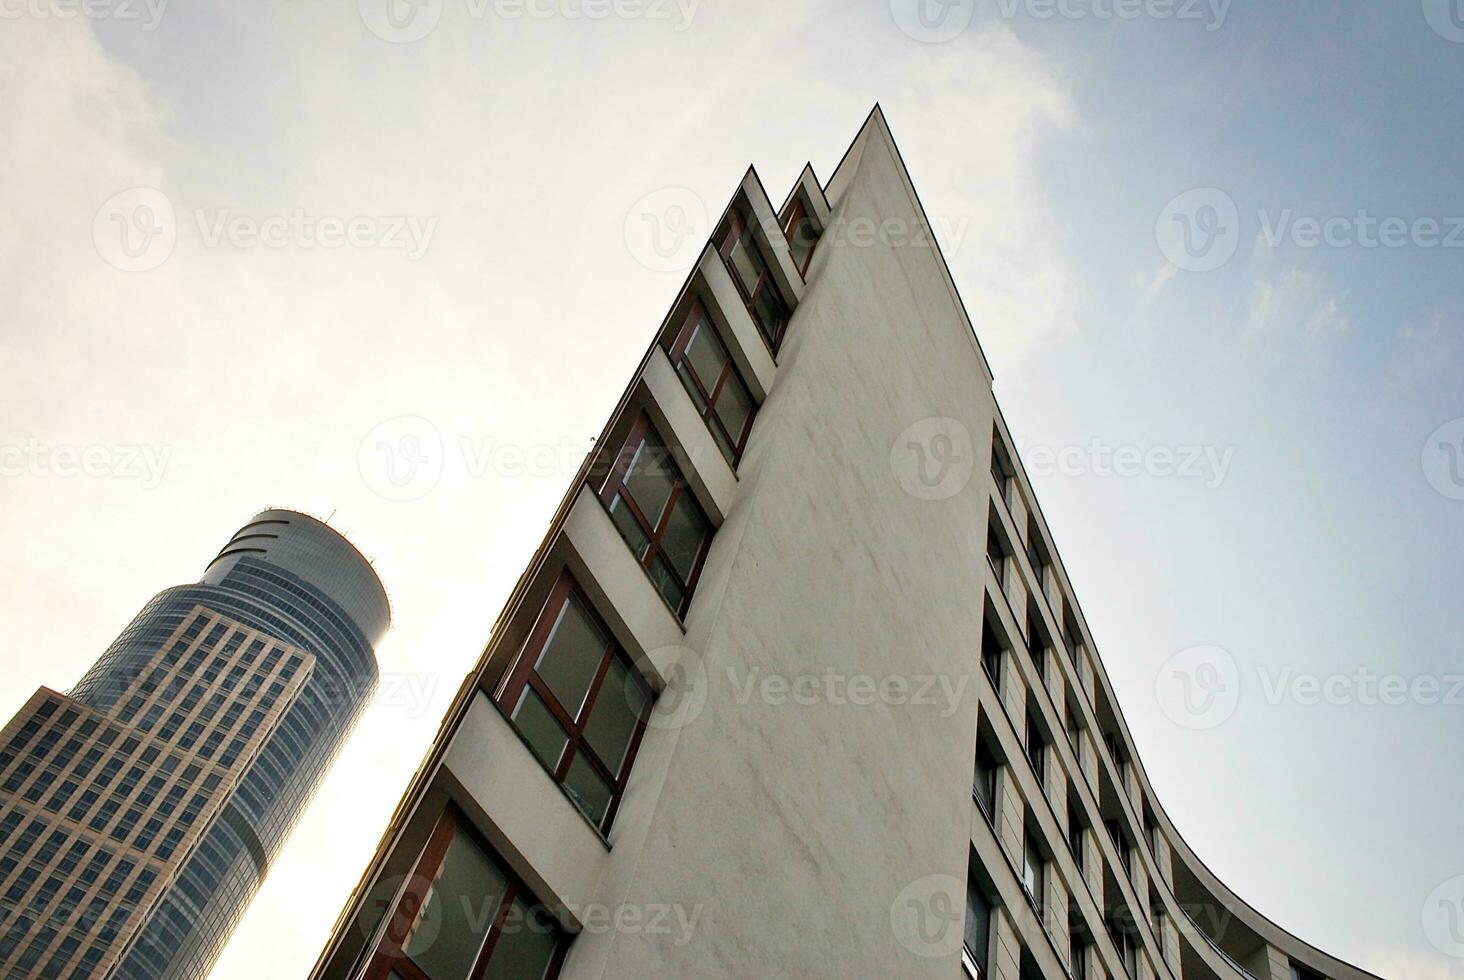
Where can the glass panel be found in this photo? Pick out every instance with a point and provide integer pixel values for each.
(803, 239)
(618, 707)
(572, 657)
(734, 406)
(746, 262)
(588, 789)
(978, 925)
(685, 372)
(629, 527)
(769, 313)
(665, 580)
(540, 728)
(650, 479)
(728, 450)
(525, 948)
(686, 530)
(706, 354)
(458, 912)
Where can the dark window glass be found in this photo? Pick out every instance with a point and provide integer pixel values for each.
(802, 235)
(463, 915)
(653, 507)
(712, 379)
(978, 929)
(753, 277)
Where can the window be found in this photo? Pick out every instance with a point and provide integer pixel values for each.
(1075, 825)
(754, 279)
(463, 915)
(711, 379)
(578, 702)
(1032, 868)
(1036, 745)
(802, 235)
(653, 508)
(1036, 553)
(977, 949)
(991, 650)
(983, 787)
(1001, 466)
(1299, 972)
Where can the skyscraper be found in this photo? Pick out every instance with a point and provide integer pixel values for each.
(797, 684)
(140, 813)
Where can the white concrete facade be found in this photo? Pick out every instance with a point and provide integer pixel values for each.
(801, 804)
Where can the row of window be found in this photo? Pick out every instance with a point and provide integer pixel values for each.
(573, 694)
(1037, 640)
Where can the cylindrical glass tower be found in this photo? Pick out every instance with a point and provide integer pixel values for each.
(292, 577)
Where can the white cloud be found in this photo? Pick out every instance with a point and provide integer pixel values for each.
(1294, 301)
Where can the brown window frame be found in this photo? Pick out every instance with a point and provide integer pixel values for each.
(642, 430)
(389, 956)
(730, 375)
(798, 213)
(738, 228)
(524, 674)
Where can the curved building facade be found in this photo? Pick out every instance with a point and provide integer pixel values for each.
(797, 684)
(250, 680)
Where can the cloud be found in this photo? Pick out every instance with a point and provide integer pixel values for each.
(1294, 301)
(1412, 964)
(983, 180)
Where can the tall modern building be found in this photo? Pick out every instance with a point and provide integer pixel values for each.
(140, 813)
(796, 685)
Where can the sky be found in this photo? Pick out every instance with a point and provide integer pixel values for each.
(244, 245)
